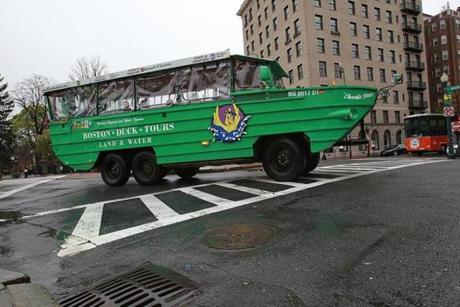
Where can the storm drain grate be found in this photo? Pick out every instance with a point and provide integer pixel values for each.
(148, 285)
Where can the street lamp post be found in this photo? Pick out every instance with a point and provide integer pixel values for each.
(448, 103)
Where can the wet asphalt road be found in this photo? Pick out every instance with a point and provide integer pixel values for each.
(384, 239)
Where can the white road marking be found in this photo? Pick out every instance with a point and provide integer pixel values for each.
(86, 234)
(90, 222)
(242, 189)
(158, 208)
(9, 193)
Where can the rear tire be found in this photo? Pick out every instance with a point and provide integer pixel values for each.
(145, 169)
(187, 172)
(283, 160)
(312, 162)
(114, 170)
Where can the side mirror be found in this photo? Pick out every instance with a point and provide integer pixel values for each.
(397, 79)
(266, 75)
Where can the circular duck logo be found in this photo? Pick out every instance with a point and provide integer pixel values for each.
(228, 123)
(414, 143)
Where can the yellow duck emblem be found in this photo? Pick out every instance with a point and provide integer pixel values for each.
(231, 121)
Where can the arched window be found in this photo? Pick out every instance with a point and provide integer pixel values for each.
(375, 140)
(399, 137)
(387, 138)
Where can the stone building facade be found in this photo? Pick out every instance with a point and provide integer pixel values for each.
(369, 40)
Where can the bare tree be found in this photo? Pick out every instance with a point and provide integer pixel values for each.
(28, 95)
(86, 68)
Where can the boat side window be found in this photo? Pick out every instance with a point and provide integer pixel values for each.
(247, 75)
(154, 90)
(73, 102)
(208, 82)
(115, 96)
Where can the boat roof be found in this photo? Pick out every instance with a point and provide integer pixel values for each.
(422, 115)
(205, 58)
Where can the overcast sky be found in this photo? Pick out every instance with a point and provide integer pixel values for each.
(47, 36)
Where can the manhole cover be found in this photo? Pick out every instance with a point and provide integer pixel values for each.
(148, 285)
(238, 236)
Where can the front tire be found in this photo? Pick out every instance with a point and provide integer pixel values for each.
(145, 169)
(187, 172)
(312, 162)
(283, 160)
(114, 170)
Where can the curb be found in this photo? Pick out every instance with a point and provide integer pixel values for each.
(16, 290)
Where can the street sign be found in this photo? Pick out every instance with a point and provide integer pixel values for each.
(453, 88)
(456, 126)
(449, 111)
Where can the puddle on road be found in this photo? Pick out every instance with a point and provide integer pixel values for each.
(54, 233)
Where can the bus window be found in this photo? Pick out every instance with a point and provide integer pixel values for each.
(82, 101)
(209, 82)
(154, 90)
(74, 102)
(247, 75)
(116, 96)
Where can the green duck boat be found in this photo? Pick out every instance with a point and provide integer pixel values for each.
(207, 110)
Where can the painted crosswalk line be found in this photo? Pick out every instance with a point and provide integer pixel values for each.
(183, 204)
(23, 184)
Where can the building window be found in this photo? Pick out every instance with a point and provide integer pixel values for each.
(247, 35)
(259, 20)
(269, 50)
(383, 75)
(364, 11)
(391, 37)
(351, 8)
(288, 35)
(442, 24)
(353, 29)
(320, 44)
(317, 3)
(322, 69)
(389, 17)
(368, 52)
(286, 13)
(386, 135)
(366, 31)
(445, 55)
(335, 47)
(385, 117)
(318, 22)
(357, 72)
(334, 25)
(443, 39)
(289, 55)
(380, 55)
(337, 71)
(296, 27)
(354, 51)
(291, 76)
(267, 31)
(252, 46)
(266, 13)
(378, 32)
(247, 50)
(392, 56)
(250, 15)
(275, 24)
(375, 140)
(251, 28)
(370, 74)
(261, 40)
(399, 137)
(377, 13)
(295, 5)
(397, 117)
(396, 97)
(262, 54)
(277, 43)
(300, 72)
(258, 4)
(373, 117)
(273, 5)
(332, 5)
(298, 49)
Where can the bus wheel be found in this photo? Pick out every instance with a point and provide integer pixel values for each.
(283, 160)
(114, 171)
(145, 169)
(187, 172)
(312, 162)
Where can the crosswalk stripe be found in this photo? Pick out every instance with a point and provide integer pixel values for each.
(158, 208)
(90, 222)
(243, 189)
(216, 200)
(291, 184)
